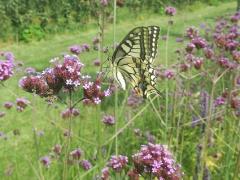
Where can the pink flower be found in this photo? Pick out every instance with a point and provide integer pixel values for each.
(8, 105)
(169, 74)
(117, 163)
(76, 154)
(105, 173)
(108, 120)
(46, 161)
(171, 11)
(86, 165)
(22, 103)
(76, 49)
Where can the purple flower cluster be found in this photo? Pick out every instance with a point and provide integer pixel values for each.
(154, 160)
(134, 100)
(170, 11)
(118, 163)
(46, 161)
(219, 101)
(108, 120)
(6, 66)
(22, 103)
(77, 49)
(51, 80)
(92, 91)
(67, 113)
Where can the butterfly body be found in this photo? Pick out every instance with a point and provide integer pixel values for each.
(133, 58)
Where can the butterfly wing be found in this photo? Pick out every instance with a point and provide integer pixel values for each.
(133, 58)
(141, 43)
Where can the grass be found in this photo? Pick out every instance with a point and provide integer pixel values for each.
(19, 155)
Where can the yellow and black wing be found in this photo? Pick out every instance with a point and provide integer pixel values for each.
(133, 58)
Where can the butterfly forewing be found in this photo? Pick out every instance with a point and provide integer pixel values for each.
(133, 58)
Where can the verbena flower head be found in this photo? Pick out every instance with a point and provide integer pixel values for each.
(171, 11)
(30, 70)
(108, 120)
(93, 93)
(22, 103)
(104, 2)
(105, 173)
(76, 154)
(219, 101)
(97, 62)
(134, 100)
(156, 161)
(85, 47)
(169, 74)
(69, 71)
(76, 49)
(199, 42)
(6, 66)
(86, 165)
(67, 113)
(46, 161)
(192, 32)
(57, 149)
(117, 163)
(8, 105)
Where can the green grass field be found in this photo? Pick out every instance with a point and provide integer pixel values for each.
(20, 154)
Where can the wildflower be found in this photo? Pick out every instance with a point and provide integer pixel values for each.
(190, 47)
(184, 67)
(134, 100)
(223, 62)
(117, 163)
(86, 165)
(108, 120)
(97, 62)
(105, 173)
(171, 11)
(169, 74)
(236, 56)
(219, 101)
(76, 49)
(30, 70)
(46, 161)
(133, 174)
(235, 103)
(192, 32)
(198, 61)
(104, 2)
(57, 149)
(199, 42)
(6, 70)
(66, 114)
(76, 154)
(34, 84)
(236, 17)
(22, 103)
(96, 40)
(208, 52)
(156, 161)
(85, 47)
(2, 114)
(8, 105)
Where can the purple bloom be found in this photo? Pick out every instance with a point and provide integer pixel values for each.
(219, 101)
(85, 47)
(30, 70)
(46, 161)
(190, 47)
(199, 42)
(104, 2)
(208, 52)
(57, 149)
(86, 165)
(169, 74)
(76, 49)
(156, 161)
(105, 173)
(8, 105)
(117, 163)
(192, 32)
(171, 11)
(108, 120)
(67, 113)
(97, 62)
(76, 154)
(6, 70)
(22, 103)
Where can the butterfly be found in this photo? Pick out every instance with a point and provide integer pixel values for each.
(133, 59)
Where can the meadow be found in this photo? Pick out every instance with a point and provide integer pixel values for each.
(65, 137)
